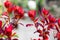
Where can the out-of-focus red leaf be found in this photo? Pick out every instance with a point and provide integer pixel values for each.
(45, 12)
(51, 18)
(57, 28)
(47, 32)
(58, 39)
(40, 35)
(51, 26)
(36, 20)
(38, 24)
(58, 35)
(7, 4)
(43, 21)
(59, 21)
(0, 23)
(45, 37)
(39, 39)
(8, 30)
(46, 20)
(39, 31)
(34, 39)
(5, 13)
(32, 14)
(9, 10)
(29, 25)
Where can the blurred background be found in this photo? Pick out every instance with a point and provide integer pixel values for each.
(52, 5)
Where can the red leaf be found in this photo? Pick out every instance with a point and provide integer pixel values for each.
(38, 24)
(36, 20)
(39, 39)
(45, 12)
(0, 23)
(19, 11)
(7, 4)
(51, 18)
(45, 37)
(47, 32)
(40, 35)
(59, 21)
(10, 9)
(57, 28)
(39, 31)
(34, 39)
(8, 30)
(29, 25)
(32, 14)
(43, 21)
(51, 26)
(5, 13)
(58, 35)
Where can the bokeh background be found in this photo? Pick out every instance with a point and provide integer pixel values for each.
(52, 5)
(27, 33)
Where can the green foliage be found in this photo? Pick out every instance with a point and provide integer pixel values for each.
(23, 3)
(20, 2)
(0, 6)
(52, 10)
(5, 36)
(16, 35)
(1, 9)
(0, 36)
